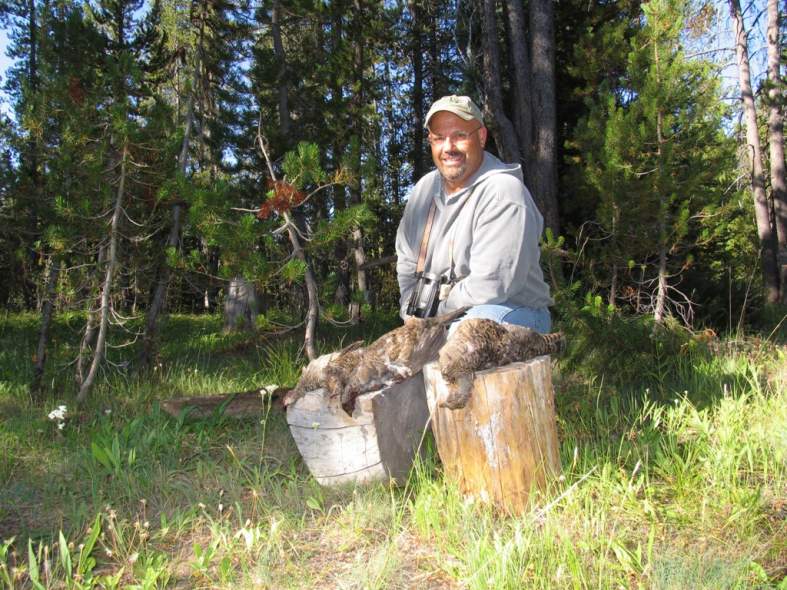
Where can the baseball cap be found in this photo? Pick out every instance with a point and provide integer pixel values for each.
(461, 106)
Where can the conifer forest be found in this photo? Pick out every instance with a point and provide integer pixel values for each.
(198, 197)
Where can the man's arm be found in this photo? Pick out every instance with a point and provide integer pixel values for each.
(406, 259)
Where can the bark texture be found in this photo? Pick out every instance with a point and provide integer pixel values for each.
(761, 208)
(776, 143)
(500, 125)
(544, 162)
(43, 333)
(109, 274)
(523, 104)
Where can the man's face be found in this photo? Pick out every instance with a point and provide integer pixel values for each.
(461, 150)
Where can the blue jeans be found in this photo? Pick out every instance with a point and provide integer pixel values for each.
(535, 318)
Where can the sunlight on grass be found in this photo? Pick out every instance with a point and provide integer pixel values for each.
(670, 485)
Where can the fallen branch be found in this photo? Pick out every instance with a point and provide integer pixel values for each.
(242, 404)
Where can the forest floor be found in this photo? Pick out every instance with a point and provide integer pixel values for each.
(674, 476)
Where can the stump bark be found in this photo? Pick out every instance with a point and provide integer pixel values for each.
(240, 306)
(502, 447)
(378, 442)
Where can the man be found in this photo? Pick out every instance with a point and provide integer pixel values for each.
(483, 240)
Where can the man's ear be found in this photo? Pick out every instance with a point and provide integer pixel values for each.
(482, 133)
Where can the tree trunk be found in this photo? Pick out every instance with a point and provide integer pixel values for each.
(501, 127)
(761, 208)
(394, 147)
(240, 306)
(311, 288)
(659, 310)
(173, 239)
(312, 315)
(356, 198)
(419, 166)
(281, 76)
(542, 52)
(503, 446)
(91, 326)
(435, 67)
(613, 287)
(46, 321)
(776, 143)
(103, 323)
(521, 82)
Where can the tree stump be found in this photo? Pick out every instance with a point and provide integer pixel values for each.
(378, 443)
(503, 445)
(240, 306)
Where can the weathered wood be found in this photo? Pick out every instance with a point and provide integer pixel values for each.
(503, 445)
(378, 443)
(243, 404)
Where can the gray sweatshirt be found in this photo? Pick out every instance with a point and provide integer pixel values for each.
(489, 230)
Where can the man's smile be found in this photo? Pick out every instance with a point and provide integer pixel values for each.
(453, 158)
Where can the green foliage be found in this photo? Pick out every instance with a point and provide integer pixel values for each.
(302, 165)
(655, 156)
(328, 233)
(293, 270)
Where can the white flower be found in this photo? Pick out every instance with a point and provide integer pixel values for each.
(61, 425)
(58, 413)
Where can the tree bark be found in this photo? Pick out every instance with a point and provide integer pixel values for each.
(91, 326)
(761, 208)
(544, 173)
(46, 321)
(103, 324)
(521, 82)
(240, 306)
(356, 198)
(776, 143)
(313, 312)
(419, 165)
(501, 127)
(660, 308)
(281, 76)
(173, 239)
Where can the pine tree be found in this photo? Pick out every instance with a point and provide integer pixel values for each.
(653, 149)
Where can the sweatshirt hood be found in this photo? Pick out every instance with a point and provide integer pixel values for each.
(490, 166)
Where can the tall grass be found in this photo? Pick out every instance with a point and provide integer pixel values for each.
(673, 477)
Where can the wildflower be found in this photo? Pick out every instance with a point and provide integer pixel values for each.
(107, 412)
(58, 413)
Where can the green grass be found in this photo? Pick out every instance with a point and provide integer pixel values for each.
(673, 478)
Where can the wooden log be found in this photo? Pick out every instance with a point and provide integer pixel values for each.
(503, 445)
(242, 404)
(378, 443)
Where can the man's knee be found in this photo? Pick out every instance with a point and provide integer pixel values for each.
(537, 319)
